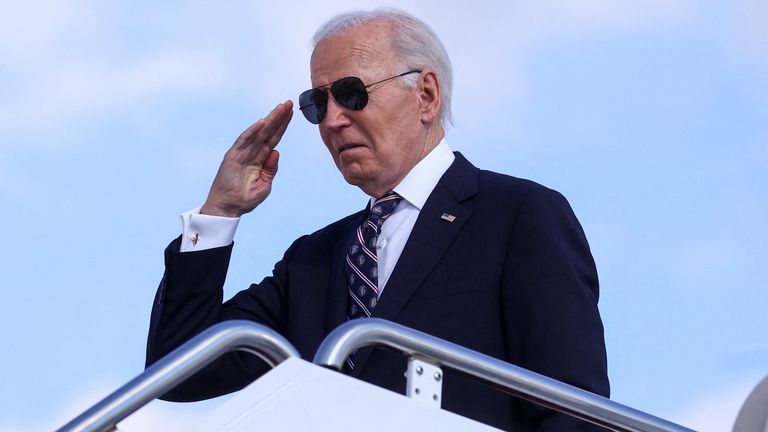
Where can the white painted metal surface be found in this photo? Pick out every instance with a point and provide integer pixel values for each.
(300, 396)
(753, 416)
(424, 382)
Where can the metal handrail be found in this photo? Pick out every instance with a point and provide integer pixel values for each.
(520, 382)
(156, 380)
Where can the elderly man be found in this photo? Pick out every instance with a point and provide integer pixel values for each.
(491, 262)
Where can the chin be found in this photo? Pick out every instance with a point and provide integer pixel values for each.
(352, 178)
(357, 179)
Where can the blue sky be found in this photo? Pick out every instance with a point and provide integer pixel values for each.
(650, 117)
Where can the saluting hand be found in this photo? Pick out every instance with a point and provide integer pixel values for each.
(244, 179)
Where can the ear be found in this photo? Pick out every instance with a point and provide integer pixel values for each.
(429, 97)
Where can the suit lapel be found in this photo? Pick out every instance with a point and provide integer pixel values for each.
(431, 237)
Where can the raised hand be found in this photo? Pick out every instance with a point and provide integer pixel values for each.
(244, 179)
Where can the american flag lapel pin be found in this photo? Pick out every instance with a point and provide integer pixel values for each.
(448, 217)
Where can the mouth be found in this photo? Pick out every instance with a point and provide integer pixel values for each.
(344, 147)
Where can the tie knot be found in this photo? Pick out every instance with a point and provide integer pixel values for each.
(383, 207)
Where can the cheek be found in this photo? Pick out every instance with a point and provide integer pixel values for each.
(331, 150)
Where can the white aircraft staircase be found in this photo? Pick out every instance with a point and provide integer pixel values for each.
(297, 395)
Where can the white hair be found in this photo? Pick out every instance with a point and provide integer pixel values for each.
(414, 42)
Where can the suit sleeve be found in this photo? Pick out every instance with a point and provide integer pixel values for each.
(189, 300)
(550, 303)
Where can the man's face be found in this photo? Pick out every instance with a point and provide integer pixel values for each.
(376, 147)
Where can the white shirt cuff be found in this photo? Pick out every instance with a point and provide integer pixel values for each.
(201, 232)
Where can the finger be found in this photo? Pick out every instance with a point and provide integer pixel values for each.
(253, 129)
(278, 133)
(269, 170)
(246, 136)
(275, 119)
(252, 135)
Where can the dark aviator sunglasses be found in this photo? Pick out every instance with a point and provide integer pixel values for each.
(349, 92)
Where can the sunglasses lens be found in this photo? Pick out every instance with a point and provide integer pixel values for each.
(350, 93)
(313, 104)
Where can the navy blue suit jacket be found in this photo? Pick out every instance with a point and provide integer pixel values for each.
(512, 277)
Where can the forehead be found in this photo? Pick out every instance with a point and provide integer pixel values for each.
(357, 52)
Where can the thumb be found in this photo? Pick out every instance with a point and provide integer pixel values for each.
(269, 170)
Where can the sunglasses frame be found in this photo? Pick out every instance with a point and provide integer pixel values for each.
(317, 115)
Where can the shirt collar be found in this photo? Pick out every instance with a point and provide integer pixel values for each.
(416, 186)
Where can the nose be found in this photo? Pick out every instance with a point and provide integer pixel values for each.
(335, 116)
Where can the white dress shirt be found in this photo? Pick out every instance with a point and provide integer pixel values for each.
(200, 232)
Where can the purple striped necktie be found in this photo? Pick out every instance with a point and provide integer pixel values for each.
(362, 264)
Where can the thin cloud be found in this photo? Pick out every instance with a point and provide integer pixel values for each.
(156, 415)
(58, 83)
(83, 399)
(600, 15)
(79, 63)
(23, 44)
(716, 411)
(76, 89)
(749, 35)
